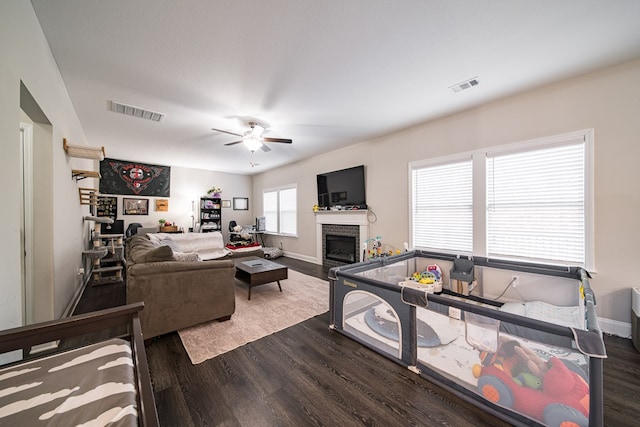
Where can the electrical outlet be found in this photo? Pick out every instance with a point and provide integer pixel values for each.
(515, 280)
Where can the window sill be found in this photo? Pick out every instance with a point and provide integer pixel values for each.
(272, 233)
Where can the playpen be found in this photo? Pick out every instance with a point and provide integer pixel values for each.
(527, 362)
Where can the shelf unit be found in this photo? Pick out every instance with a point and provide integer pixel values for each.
(83, 151)
(107, 254)
(88, 196)
(82, 174)
(210, 214)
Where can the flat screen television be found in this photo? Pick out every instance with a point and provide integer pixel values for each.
(342, 189)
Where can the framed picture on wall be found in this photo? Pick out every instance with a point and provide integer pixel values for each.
(107, 206)
(135, 206)
(226, 203)
(240, 204)
(162, 205)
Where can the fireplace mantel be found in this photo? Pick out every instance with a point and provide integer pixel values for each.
(352, 217)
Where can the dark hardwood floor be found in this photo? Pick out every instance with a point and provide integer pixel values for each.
(309, 375)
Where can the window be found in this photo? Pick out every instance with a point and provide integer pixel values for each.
(535, 205)
(442, 211)
(530, 201)
(280, 210)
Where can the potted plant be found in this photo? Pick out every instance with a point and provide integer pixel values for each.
(166, 226)
(214, 192)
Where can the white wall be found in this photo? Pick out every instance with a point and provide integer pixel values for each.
(26, 57)
(608, 101)
(189, 185)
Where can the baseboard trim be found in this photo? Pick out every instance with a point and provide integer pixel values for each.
(615, 327)
(300, 257)
(75, 299)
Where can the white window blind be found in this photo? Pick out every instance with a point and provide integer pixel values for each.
(442, 204)
(270, 206)
(280, 210)
(288, 201)
(536, 204)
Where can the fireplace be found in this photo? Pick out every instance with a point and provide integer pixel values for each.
(341, 248)
(353, 223)
(339, 244)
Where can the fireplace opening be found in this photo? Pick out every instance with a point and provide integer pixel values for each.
(341, 248)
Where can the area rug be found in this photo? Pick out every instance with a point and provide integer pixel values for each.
(268, 311)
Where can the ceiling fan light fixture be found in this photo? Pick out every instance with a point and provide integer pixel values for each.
(257, 131)
(252, 144)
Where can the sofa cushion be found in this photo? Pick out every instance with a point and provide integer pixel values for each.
(208, 245)
(187, 257)
(171, 243)
(161, 253)
(140, 250)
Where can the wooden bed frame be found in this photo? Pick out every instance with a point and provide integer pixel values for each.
(26, 337)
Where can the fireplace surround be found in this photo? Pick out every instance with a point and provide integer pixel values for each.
(353, 224)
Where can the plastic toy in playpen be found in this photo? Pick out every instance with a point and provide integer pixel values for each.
(430, 279)
(376, 250)
(554, 392)
(376, 246)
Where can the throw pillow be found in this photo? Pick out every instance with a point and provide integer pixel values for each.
(161, 253)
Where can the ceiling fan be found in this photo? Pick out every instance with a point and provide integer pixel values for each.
(253, 138)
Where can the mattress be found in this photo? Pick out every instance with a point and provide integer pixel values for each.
(454, 357)
(92, 385)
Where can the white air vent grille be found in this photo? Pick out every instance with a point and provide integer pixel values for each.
(130, 110)
(465, 85)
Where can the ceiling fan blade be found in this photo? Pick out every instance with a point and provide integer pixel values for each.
(265, 148)
(233, 143)
(226, 131)
(283, 140)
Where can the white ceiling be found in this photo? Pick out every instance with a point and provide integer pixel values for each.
(324, 73)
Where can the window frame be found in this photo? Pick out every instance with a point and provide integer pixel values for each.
(277, 191)
(440, 161)
(479, 174)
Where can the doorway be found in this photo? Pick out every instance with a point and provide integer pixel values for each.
(36, 183)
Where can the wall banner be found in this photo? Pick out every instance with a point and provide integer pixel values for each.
(133, 178)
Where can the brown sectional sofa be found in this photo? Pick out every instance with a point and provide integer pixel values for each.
(178, 294)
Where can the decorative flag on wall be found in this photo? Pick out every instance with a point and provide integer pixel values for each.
(133, 178)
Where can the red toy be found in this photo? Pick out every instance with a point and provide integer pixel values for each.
(552, 392)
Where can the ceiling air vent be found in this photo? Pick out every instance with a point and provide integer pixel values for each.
(130, 110)
(465, 85)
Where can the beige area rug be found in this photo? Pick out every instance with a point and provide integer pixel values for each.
(267, 312)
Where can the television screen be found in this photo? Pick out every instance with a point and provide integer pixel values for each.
(344, 188)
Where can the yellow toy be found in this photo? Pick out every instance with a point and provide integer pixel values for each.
(427, 278)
